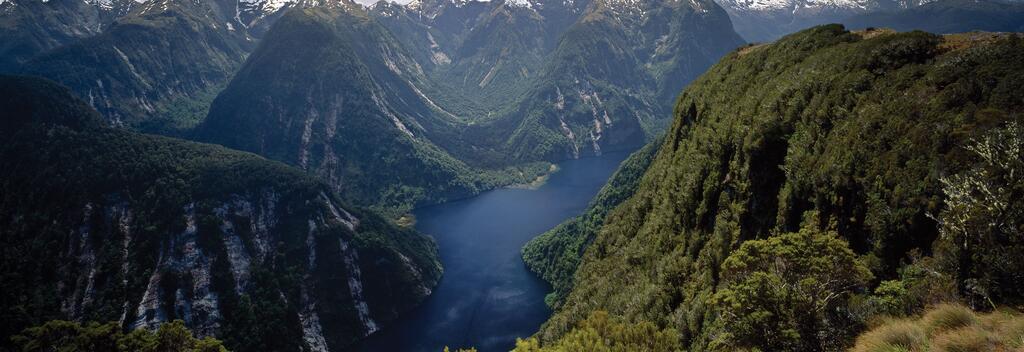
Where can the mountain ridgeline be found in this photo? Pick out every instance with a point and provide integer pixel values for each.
(102, 224)
(768, 20)
(151, 65)
(330, 91)
(806, 187)
(371, 101)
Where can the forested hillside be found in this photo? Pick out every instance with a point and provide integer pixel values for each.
(555, 255)
(101, 224)
(330, 91)
(810, 185)
(154, 68)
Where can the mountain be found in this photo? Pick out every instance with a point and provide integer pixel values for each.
(486, 50)
(148, 66)
(603, 87)
(768, 20)
(103, 224)
(151, 65)
(948, 16)
(810, 185)
(31, 27)
(331, 91)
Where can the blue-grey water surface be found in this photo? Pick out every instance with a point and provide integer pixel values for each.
(487, 296)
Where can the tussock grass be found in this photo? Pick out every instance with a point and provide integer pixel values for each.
(899, 335)
(947, 328)
(948, 317)
(966, 339)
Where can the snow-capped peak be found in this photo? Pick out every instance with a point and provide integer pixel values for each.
(793, 5)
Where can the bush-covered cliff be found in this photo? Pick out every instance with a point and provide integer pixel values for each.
(101, 224)
(816, 182)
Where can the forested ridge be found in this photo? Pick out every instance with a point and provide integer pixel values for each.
(102, 224)
(810, 186)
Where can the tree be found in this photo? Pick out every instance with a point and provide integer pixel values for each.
(788, 293)
(983, 222)
(602, 333)
(67, 336)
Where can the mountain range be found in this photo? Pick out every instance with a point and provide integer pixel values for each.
(240, 164)
(364, 113)
(768, 20)
(103, 224)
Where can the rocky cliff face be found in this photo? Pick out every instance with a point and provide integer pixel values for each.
(143, 230)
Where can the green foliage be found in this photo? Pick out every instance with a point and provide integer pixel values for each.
(602, 333)
(65, 336)
(90, 214)
(958, 330)
(787, 292)
(857, 128)
(555, 255)
(983, 220)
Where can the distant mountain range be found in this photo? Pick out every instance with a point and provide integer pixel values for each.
(767, 20)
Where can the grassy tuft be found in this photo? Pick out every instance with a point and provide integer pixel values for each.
(966, 339)
(947, 328)
(898, 335)
(946, 317)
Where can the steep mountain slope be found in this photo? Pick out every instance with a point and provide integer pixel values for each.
(153, 65)
(148, 66)
(103, 224)
(605, 85)
(948, 16)
(843, 136)
(31, 27)
(486, 50)
(330, 91)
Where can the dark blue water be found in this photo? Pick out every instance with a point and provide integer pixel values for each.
(487, 296)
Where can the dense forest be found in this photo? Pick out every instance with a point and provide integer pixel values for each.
(102, 224)
(811, 186)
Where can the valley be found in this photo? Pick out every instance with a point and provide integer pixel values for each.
(525, 175)
(487, 297)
